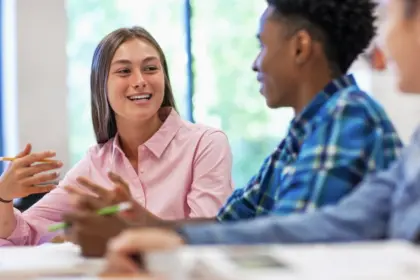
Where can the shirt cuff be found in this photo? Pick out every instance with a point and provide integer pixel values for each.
(201, 234)
(183, 234)
(19, 234)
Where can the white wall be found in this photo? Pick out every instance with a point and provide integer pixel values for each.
(35, 80)
(403, 109)
(35, 76)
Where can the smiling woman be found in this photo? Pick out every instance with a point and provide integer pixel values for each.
(171, 167)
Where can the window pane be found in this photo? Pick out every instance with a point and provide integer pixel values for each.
(226, 91)
(362, 72)
(88, 22)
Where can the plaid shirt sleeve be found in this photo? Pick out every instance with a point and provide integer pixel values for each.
(353, 142)
(342, 148)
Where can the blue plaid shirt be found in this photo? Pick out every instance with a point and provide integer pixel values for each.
(339, 138)
(385, 205)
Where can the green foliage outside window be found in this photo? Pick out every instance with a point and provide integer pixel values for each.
(226, 93)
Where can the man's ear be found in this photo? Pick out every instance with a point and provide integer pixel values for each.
(303, 44)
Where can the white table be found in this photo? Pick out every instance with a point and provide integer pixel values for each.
(370, 261)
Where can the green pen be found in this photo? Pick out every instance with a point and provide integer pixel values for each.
(110, 210)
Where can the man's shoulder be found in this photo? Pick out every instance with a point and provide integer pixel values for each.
(352, 104)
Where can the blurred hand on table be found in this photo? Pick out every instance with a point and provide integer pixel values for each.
(135, 242)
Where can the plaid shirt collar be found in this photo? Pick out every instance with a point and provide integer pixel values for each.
(299, 124)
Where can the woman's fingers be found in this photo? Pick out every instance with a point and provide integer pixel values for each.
(25, 151)
(39, 168)
(30, 159)
(40, 179)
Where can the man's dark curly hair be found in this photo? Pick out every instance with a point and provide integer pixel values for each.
(345, 28)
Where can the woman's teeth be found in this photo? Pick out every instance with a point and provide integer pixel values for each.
(140, 97)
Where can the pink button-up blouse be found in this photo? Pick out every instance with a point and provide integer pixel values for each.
(184, 170)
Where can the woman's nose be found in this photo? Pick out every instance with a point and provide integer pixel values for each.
(138, 81)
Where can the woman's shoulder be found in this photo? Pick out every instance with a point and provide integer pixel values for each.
(199, 131)
(100, 150)
(183, 128)
(94, 156)
(203, 134)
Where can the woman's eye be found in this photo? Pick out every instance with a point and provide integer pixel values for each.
(151, 68)
(124, 71)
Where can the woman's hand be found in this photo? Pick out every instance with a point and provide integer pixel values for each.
(25, 173)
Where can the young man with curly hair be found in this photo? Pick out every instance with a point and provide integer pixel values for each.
(339, 134)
